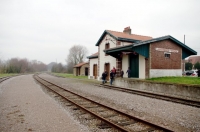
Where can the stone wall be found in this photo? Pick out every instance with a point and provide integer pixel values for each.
(191, 92)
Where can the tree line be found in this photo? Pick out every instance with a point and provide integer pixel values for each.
(77, 54)
(189, 66)
(17, 65)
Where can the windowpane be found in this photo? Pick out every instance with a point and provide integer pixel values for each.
(107, 46)
(167, 55)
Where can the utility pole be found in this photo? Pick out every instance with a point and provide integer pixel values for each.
(184, 59)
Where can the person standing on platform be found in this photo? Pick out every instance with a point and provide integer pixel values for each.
(129, 72)
(104, 75)
(114, 71)
(111, 77)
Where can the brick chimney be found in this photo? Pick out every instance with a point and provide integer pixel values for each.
(127, 30)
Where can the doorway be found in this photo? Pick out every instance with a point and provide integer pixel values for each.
(107, 68)
(86, 71)
(134, 65)
(95, 71)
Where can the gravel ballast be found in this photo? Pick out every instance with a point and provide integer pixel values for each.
(174, 116)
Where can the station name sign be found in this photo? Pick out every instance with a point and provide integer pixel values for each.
(167, 50)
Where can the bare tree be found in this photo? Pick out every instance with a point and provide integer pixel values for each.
(23, 65)
(37, 66)
(58, 68)
(77, 54)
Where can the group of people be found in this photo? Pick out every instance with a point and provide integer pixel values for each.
(112, 75)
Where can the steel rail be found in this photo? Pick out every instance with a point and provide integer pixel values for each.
(101, 118)
(5, 78)
(188, 102)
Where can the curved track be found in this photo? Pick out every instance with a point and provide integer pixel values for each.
(4, 78)
(110, 118)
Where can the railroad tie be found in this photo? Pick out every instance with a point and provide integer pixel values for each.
(149, 130)
(126, 122)
(103, 126)
(96, 106)
(111, 115)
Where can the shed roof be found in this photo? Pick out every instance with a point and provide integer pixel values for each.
(121, 36)
(81, 64)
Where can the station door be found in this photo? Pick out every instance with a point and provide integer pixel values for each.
(95, 71)
(107, 68)
(134, 65)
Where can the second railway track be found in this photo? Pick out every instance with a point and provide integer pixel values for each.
(110, 118)
(188, 102)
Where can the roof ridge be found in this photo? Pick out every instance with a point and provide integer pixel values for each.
(129, 34)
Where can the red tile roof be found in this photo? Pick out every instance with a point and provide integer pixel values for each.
(129, 36)
(81, 64)
(95, 55)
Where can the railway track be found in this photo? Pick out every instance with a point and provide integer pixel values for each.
(192, 103)
(4, 78)
(109, 117)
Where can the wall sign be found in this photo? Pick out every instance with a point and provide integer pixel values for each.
(167, 50)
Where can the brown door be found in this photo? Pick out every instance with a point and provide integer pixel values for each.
(107, 68)
(95, 71)
(86, 71)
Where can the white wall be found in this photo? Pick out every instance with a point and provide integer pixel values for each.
(124, 44)
(92, 62)
(141, 67)
(106, 59)
(165, 72)
(82, 69)
(125, 64)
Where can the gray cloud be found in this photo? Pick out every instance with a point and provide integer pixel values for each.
(45, 30)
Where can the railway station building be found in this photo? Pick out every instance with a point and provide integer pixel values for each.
(147, 57)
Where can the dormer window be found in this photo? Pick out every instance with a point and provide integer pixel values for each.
(107, 46)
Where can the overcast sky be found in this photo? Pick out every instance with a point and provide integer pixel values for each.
(44, 30)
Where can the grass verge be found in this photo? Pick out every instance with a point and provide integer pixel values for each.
(177, 80)
(6, 75)
(66, 75)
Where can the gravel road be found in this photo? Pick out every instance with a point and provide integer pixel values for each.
(25, 107)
